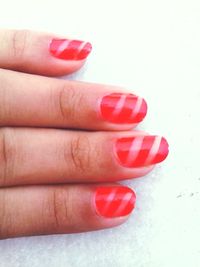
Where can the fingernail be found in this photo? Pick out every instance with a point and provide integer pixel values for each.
(114, 201)
(140, 151)
(123, 108)
(70, 49)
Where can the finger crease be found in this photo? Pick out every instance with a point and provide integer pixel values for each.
(5, 158)
(61, 93)
(55, 209)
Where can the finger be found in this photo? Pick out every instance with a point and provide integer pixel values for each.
(43, 156)
(29, 100)
(63, 209)
(41, 53)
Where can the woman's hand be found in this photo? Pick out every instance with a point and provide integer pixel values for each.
(59, 139)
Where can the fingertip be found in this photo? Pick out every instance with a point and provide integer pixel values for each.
(66, 49)
(114, 201)
(61, 68)
(67, 56)
(122, 111)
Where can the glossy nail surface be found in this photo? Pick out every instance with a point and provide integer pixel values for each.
(115, 201)
(70, 49)
(141, 151)
(123, 108)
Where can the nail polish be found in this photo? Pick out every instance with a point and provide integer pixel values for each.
(114, 201)
(70, 49)
(123, 108)
(140, 151)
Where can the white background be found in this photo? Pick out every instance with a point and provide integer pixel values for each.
(152, 48)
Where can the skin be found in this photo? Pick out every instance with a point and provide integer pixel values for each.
(49, 169)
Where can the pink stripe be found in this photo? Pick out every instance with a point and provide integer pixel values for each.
(81, 47)
(134, 149)
(124, 202)
(137, 108)
(119, 106)
(62, 47)
(154, 150)
(109, 200)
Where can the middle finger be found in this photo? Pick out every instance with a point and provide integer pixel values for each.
(42, 156)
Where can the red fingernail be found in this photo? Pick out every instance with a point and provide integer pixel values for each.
(115, 201)
(70, 49)
(123, 108)
(141, 151)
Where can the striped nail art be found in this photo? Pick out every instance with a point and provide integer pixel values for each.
(141, 151)
(123, 108)
(70, 49)
(115, 201)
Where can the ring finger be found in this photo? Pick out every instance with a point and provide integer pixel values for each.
(30, 100)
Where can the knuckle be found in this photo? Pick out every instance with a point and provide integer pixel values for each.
(80, 152)
(6, 156)
(70, 101)
(19, 43)
(57, 211)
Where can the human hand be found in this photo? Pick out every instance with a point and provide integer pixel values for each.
(65, 144)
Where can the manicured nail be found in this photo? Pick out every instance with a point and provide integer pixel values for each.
(114, 201)
(70, 49)
(123, 108)
(141, 151)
